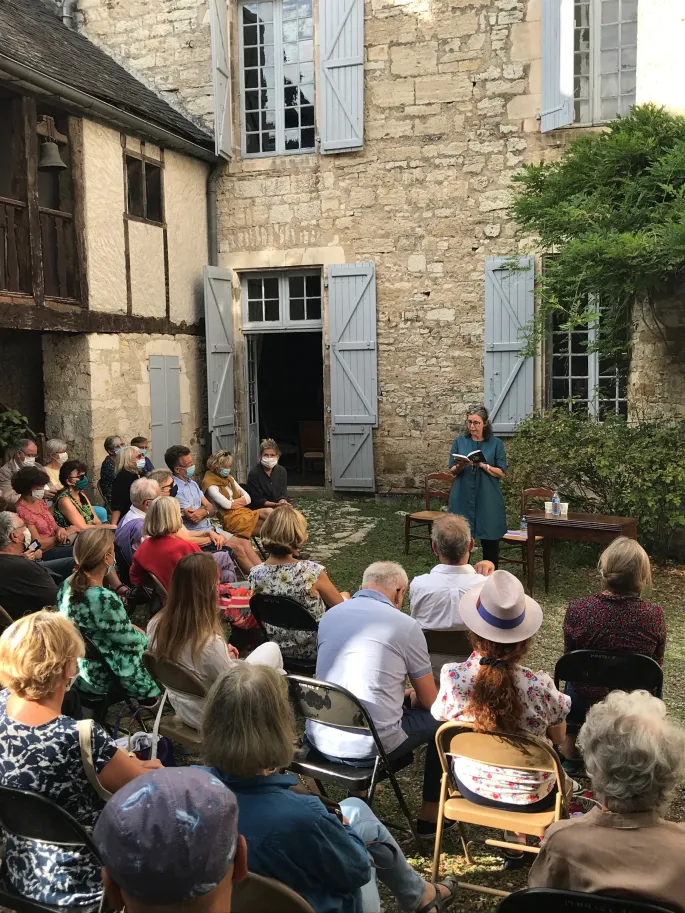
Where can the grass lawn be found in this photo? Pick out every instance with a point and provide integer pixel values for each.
(573, 574)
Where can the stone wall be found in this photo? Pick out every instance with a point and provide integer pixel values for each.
(657, 377)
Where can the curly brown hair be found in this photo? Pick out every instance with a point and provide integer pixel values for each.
(495, 699)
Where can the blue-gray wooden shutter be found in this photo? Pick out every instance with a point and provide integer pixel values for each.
(221, 77)
(165, 403)
(341, 106)
(354, 374)
(219, 331)
(556, 108)
(509, 306)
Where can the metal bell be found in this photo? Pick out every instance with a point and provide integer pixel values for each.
(50, 159)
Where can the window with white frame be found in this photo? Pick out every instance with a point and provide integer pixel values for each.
(273, 301)
(605, 58)
(277, 77)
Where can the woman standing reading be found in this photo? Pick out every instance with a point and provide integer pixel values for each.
(476, 492)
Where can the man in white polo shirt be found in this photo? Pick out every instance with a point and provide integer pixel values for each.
(368, 646)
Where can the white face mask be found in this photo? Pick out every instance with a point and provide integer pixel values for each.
(140, 464)
(62, 458)
(27, 537)
(38, 493)
(29, 461)
(269, 462)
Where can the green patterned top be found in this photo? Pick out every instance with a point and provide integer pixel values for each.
(101, 616)
(80, 502)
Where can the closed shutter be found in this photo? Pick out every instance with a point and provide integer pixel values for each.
(221, 78)
(509, 306)
(165, 403)
(219, 330)
(557, 64)
(341, 39)
(354, 375)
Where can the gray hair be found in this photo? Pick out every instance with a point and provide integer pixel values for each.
(385, 575)
(53, 446)
(109, 441)
(634, 755)
(451, 536)
(6, 528)
(23, 443)
(143, 490)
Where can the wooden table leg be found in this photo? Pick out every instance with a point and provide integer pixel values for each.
(546, 554)
(530, 558)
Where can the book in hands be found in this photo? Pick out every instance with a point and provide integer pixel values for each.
(476, 456)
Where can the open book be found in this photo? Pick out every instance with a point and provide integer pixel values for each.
(476, 456)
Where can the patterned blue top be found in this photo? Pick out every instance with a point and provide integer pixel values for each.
(47, 760)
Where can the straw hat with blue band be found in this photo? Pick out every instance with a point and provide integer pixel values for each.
(500, 611)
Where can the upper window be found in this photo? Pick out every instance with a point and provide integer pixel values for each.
(144, 189)
(277, 300)
(277, 77)
(605, 58)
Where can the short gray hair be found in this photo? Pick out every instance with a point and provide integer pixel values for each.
(144, 490)
(23, 443)
(54, 445)
(451, 536)
(386, 575)
(634, 754)
(6, 528)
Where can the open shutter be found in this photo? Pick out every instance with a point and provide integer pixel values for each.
(509, 306)
(165, 403)
(341, 38)
(354, 376)
(221, 77)
(219, 330)
(557, 64)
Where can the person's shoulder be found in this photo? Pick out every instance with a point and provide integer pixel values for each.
(562, 833)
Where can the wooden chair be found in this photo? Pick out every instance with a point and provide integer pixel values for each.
(543, 900)
(518, 539)
(446, 647)
(423, 518)
(495, 748)
(170, 675)
(257, 894)
(312, 442)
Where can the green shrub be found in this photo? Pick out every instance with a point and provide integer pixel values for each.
(633, 470)
(12, 426)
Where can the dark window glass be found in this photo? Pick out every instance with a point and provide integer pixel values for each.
(297, 309)
(153, 187)
(134, 180)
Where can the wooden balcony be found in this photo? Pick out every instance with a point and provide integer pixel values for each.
(59, 253)
(15, 251)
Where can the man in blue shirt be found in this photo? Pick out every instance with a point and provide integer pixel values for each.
(142, 444)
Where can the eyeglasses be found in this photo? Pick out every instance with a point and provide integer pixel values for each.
(470, 422)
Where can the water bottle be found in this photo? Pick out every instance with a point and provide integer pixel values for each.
(556, 504)
(524, 522)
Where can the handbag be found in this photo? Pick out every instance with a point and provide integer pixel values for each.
(85, 741)
(146, 745)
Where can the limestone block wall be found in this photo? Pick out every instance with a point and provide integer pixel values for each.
(657, 378)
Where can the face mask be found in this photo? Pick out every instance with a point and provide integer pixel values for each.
(190, 472)
(39, 494)
(29, 461)
(27, 537)
(140, 464)
(62, 458)
(81, 484)
(110, 568)
(143, 451)
(224, 473)
(269, 462)
(118, 449)
(173, 491)
(71, 681)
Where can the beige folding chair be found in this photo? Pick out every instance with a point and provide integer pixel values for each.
(257, 894)
(172, 676)
(446, 647)
(525, 753)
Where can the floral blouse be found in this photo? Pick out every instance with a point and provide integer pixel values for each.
(543, 706)
(296, 581)
(41, 518)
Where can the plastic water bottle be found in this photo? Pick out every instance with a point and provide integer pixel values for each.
(524, 522)
(556, 504)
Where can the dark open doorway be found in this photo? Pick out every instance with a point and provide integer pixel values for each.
(291, 401)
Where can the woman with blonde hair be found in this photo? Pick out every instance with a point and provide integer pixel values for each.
(100, 615)
(230, 499)
(283, 534)
(188, 631)
(129, 466)
(248, 736)
(616, 619)
(39, 658)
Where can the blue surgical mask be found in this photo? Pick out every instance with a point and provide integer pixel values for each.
(140, 464)
(118, 449)
(143, 450)
(190, 472)
(224, 473)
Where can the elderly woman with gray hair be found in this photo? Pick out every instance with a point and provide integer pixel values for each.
(635, 757)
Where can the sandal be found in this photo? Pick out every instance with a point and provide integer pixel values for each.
(441, 903)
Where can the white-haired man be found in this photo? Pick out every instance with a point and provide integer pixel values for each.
(129, 532)
(368, 646)
(25, 453)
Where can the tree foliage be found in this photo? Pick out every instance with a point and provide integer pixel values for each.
(12, 426)
(612, 211)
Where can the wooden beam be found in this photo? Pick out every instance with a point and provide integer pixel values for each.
(31, 151)
(78, 184)
(58, 317)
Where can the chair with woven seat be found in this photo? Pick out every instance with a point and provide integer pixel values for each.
(258, 894)
(542, 900)
(425, 518)
(331, 705)
(170, 675)
(517, 539)
(312, 443)
(517, 751)
(284, 612)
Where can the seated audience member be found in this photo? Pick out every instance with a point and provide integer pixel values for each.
(29, 483)
(56, 456)
(267, 482)
(248, 735)
(230, 499)
(25, 453)
(434, 598)
(368, 646)
(113, 444)
(187, 631)
(635, 758)
(196, 509)
(25, 586)
(129, 467)
(39, 658)
(493, 691)
(100, 615)
(129, 532)
(143, 445)
(283, 535)
(618, 619)
(73, 510)
(163, 547)
(170, 841)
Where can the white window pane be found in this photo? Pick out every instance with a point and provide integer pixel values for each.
(304, 8)
(608, 62)
(266, 33)
(290, 53)
(267, 56)
(582, 112)
(629, 11)
(609, 85)
(306, 50)
(609, 11)
(250, 12)
(628, 33)
(609, 38)
(627, 102)
(290, 30)
(306, 72)
(581, 88)
(266, 12)
(609, 108)
(628, 82)
(289, 9)
(582, 14)
(582, 40)
(305, 28)
(291, 74)
(628, 58)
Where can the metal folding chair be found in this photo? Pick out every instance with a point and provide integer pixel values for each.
(284, 612)
(543, 900)
(172, 676)
(257, 894)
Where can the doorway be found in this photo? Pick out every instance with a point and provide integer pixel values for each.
(285, 401)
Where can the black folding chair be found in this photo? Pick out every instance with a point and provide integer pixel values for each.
(33, 817)
(115, 694)
(331, 705)
(284, 612)
(138, 595)
(546, 900)
(5, 619)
